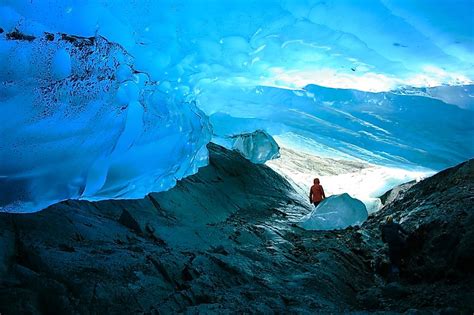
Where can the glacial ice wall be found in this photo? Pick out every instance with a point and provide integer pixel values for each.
(384, 128)
(78, 121)
(103, 99)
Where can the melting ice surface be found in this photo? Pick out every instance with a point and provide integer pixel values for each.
(80, 122)
(258, 146)
(108, 99)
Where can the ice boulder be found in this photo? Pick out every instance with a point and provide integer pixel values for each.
(257, 146)
(335, 212)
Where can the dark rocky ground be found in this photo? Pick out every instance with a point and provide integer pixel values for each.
(224, 241)
(438, 266)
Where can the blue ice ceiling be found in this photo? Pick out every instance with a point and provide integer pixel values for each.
(372, 45)
(114, 99)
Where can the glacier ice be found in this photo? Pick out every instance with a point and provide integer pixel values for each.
(335, 212)
(80, 122)
(384, 128)
(114, 99)
(288, 43)
(258, 146)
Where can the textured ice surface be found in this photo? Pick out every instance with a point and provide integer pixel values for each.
(78, 121)
(257, 146)
(383, 128)
(288, 43)
(461, 96)
(335, 212)
(97, 97)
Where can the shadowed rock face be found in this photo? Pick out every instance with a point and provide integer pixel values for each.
(396, 192)
(438, 266)
(223, 240)
(219, 241)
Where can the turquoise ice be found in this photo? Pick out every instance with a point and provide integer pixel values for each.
(335, 212)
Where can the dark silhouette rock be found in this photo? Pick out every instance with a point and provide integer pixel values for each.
(225, 241)
(396, 193)
(126, 219)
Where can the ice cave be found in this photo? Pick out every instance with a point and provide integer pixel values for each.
(195, 128)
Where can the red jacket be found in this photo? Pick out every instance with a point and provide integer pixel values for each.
(316, 194)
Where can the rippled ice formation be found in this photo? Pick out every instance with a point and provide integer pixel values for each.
(78, 121)
(288, 43)
(385, 128)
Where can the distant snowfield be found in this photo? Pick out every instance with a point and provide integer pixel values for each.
(363, 181)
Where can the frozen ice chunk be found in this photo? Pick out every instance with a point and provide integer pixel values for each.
(335, 212)
(257, 146)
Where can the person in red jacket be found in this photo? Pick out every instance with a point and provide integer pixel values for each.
(316, 193)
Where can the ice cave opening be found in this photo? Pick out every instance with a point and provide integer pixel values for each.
(116, 99)
(156, 156)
